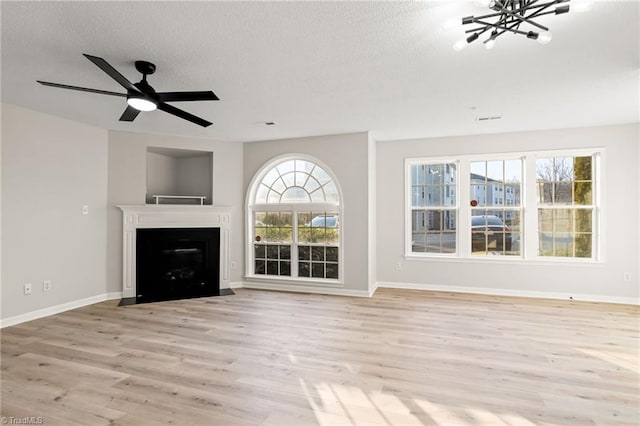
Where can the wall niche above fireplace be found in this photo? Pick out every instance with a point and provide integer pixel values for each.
(179, 176)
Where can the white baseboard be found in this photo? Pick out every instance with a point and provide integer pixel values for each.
(236, 284)
(51, 310)
(302, 288)
(516, 293)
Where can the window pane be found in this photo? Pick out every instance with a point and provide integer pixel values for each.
(332, 254)
(285, 167)
(285, 252)
(304, 252)
(434, 195)
(317, 253)
(331, 192)
(317, 270)
(583, 220)
(583, 245)
(495, 171)
(260, 251)
(513, 171)
(492, 232)
(582, 168)
(295, 194)
(285, 268)
(260, 267)
(304, 269)
(332, 270)
(565, 232)
(544, 170)
(582, 193)
(479, 171)
(562, 193)
(433, 231)
(272, 252)
(272, 267)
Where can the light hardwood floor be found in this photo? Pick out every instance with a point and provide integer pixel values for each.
(403, 357)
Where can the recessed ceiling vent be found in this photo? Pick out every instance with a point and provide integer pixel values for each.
(489, 118)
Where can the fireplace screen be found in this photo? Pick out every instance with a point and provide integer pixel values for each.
(177, 263)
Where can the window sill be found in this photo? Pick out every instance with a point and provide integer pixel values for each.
(301, 281)
(509, 260)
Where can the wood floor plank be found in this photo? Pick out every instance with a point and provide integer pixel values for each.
(402, 357)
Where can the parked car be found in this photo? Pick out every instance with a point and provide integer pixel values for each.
(488, 232)
(328, 221)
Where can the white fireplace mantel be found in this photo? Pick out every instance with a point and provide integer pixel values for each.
(170, 216)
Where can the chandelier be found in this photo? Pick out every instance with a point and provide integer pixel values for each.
(512, 16)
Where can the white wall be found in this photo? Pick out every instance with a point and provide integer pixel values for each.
(347, 156)
(603, 281)
(127, 185)
(50, 168)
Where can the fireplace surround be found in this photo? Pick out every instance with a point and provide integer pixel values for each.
(182, 217)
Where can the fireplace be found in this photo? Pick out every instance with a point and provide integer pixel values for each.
(184, 223)
(177, 263)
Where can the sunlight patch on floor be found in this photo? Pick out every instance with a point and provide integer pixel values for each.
(624, 360)
(334, 403)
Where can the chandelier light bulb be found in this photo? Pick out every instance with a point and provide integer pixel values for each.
(490, 44)
(459, 45)
(451, 23)
(482, 3)
(581, 5)
(544, 37)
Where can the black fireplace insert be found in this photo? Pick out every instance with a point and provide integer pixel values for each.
(177, 263)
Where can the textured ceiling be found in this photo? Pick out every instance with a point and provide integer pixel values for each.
(323, 67)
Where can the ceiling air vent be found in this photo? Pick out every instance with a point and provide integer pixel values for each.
(491, 118)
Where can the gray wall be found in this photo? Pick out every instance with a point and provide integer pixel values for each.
(161, 175)
(50, 168)
(347, 156)
(127, 185)
(620, 218)
(195, 176)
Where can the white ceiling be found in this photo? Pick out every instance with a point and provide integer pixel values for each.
(323, 67)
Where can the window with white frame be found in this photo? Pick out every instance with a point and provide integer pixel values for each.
(566, 207)
(434, 210)
(294, 225)
(489, 217)
(494, 192)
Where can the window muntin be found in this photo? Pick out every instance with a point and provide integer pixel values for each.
(495, 188)
(295, 223)
(434, 212)
(296, 181)
(566, 212)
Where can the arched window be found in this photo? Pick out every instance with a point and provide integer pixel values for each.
(294, 222)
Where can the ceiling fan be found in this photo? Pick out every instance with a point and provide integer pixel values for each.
(141, 96)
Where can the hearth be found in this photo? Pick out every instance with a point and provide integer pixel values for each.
(177, 263)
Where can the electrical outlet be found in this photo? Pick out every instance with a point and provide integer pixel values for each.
(46, 285)
(398, 265)
(85, 209)
(627, 276)
(27, 288)
(233, 265)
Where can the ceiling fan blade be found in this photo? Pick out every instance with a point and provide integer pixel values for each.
(82, 89)
(183, 114)
(129, 114)
(187, 96)
(112, 72)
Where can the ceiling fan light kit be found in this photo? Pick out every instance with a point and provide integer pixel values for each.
(517, 17)
(141, 96)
